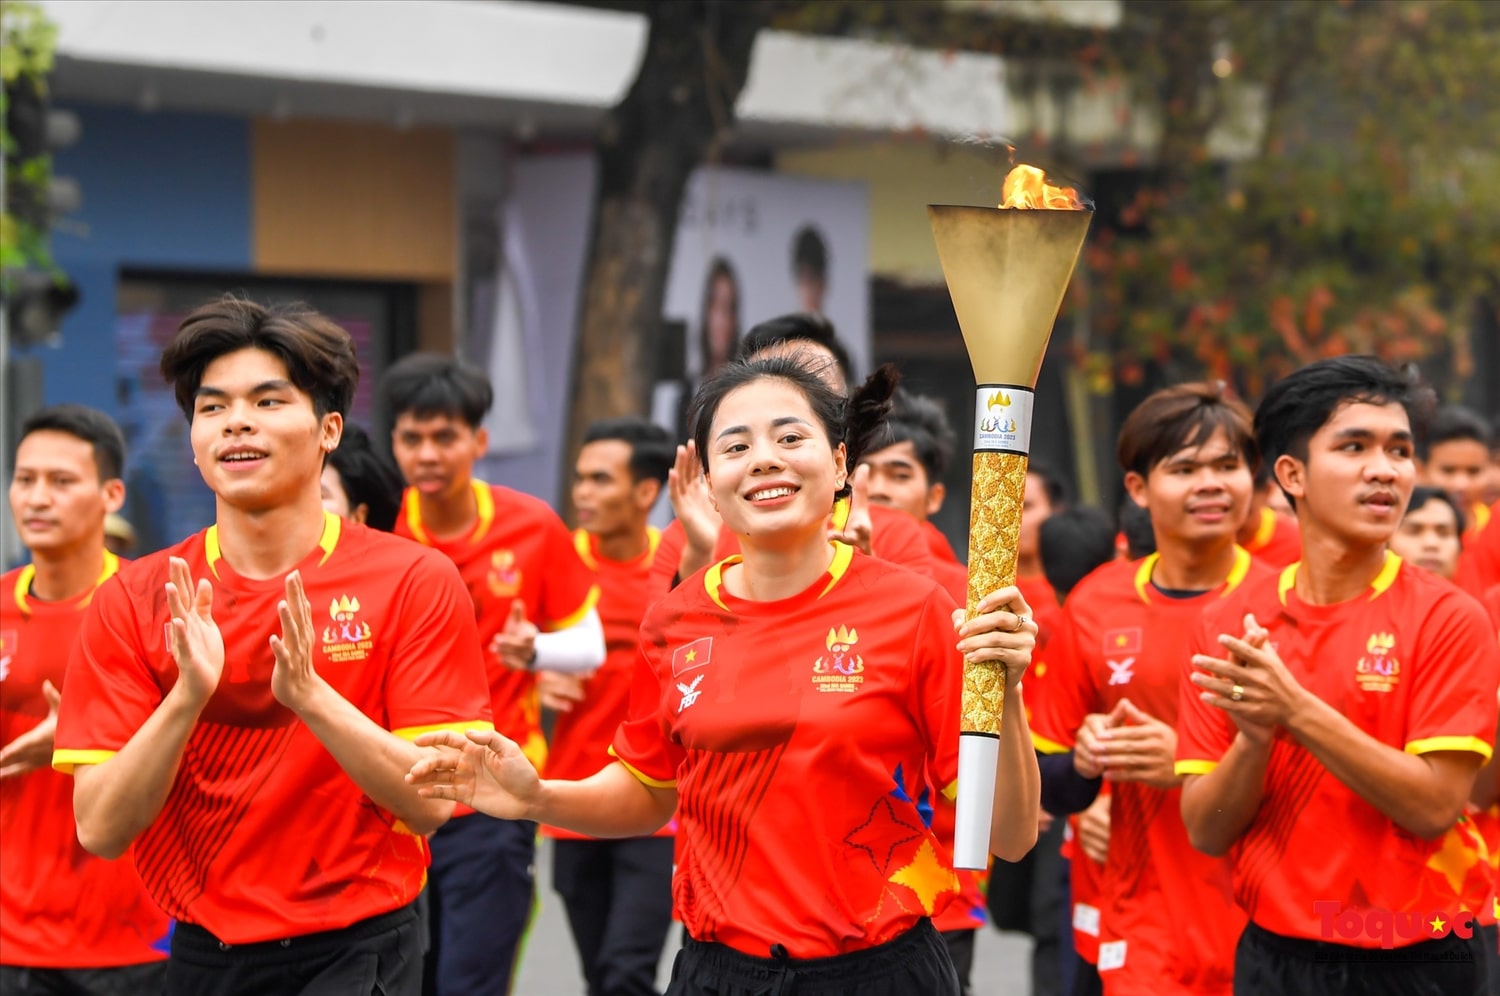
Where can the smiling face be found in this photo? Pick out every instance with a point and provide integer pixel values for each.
(256, 439)
(1198, 494)
(771, 469)
(57, 501)
(1358, 475)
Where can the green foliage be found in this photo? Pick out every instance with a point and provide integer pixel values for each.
(1367, 218)
(28, 41)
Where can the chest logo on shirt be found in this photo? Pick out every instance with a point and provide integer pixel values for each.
(10, 640)
(1120, 672)
(505, 576)
(1379, 670)
(690, 693)
(840, 669)
(349, 638)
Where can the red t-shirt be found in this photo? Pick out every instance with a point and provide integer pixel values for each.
(1038, 594)
(789, 729)
(518, 548)
(944, 564)
(581, 737)
(1168, 919)
(263, 835)
(1277, 541)
(1479, 565)
(1084, 878)
(1413, 663)
(60, 907)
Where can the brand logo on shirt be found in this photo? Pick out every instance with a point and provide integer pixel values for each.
(690, 693)
(505, 576)
(9, 641)
(841, 669)
(1378, 670)
(1120, 672)
(348, 639)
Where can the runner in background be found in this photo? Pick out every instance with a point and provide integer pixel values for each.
(69, 476)
(534, 599)
(618, 893)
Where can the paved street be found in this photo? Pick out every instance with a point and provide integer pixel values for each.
(550, 966)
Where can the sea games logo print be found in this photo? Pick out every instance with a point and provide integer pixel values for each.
(841, 669)
(349, 638)
(1342, 925)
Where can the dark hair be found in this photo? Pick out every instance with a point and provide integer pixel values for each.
(319, 355)
(857, 421)
(1422, 494)
(1302, 402)
(810, 252)
(90, 425)
(920, 420)
(797, 327)
(718, 270)
(428, 384)
(1135, 524)
(651, 449)
(1073, 543)
(1180, 416)
(1052, 485)
(370, 477)
(1451, 423)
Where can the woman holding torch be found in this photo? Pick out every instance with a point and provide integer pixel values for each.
(781, 697)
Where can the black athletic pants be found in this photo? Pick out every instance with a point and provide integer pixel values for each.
(1267, 964)
(618, 895)
(915, 963)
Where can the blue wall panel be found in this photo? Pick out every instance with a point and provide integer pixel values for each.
(168, 191)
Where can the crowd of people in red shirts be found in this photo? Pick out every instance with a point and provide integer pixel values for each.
(311, 748)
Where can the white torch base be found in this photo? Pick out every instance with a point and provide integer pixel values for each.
(978, 757)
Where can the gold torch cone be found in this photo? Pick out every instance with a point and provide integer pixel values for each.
(1006, 270)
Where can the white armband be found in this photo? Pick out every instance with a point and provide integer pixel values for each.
(575, 650)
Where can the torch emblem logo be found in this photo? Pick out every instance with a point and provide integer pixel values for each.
(840, 669)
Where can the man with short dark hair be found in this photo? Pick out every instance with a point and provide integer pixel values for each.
(1167, 921)
(68, 478)
(618, 893)
(534, 599)
(1336, 714)
(240, 707)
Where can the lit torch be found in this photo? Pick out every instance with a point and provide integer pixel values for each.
(1006, 270)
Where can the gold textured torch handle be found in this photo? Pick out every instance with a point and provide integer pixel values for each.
(994, 541)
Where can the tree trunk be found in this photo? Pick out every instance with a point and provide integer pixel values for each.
(676, 115)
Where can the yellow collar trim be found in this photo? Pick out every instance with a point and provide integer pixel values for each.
(484, 504)
(713, 581)
(28, 574)
(1378, 587)
(1264, 531)
(1237, 573)
(333, 527)
(583, 543)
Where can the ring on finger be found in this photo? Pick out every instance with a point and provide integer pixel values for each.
(1237, 693)
(1020, 624)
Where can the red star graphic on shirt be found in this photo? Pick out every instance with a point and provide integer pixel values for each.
(882, 833)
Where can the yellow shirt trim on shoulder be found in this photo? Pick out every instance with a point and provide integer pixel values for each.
(1046, 746)
(413, 732)
(576, 616)
(640, 775)
(66, 760)
(1192, 767)
(1468, 744)
(843, 556)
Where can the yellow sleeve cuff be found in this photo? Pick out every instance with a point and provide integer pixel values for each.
(1470, 744)
(66, 760)
(413, 732)
(641, 776)
(576, 616)
(1193, 767)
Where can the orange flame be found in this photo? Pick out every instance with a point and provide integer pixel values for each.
(1027, 187)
